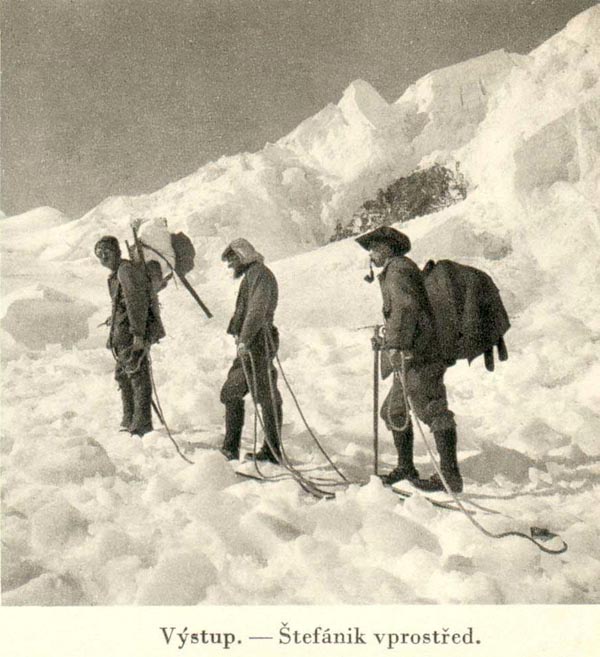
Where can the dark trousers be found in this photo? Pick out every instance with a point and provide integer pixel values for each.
(132, 373)
(263, 379)
(427, 394)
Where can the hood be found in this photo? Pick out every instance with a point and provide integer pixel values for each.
(244, 250)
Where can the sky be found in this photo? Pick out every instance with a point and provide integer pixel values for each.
(110, 97)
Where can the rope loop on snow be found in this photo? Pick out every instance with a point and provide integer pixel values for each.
(469, 516)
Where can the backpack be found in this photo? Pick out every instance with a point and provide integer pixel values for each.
(470, 318)
(184, 253)
(156, 247)
(155, 237)
(165, 252)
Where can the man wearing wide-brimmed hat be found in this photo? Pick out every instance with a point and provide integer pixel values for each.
(410, 336)
(257, 341)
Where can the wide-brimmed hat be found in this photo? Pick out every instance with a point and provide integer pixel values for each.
(387, 234)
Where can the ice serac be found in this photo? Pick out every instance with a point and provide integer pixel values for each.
(542, 133)
(455, 99)
(361, 103)
(462, 87)
(338, 144)
(289, 196)
(566, 149)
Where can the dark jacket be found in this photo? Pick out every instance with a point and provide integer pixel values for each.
(409, 323)
(471, 318)
(135, 309)
(255, 305)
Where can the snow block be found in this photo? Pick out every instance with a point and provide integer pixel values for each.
(43, 316)
(388, 534)
(57, 526)
(46, 590)
(265, 532)
(17, 571)
(73, 461)
(179, 578)
(210, 471)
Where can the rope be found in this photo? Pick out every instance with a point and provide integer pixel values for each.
(280, 437)
(159, 412)
(303, 482)
(391, 425)
(257, 418)
(310, 431)
(468, 515)
(129, 371)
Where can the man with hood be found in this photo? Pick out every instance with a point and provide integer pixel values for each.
(410, 336)
(257, 342)
(135, 325)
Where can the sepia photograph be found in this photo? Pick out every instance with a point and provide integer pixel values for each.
(300, 314)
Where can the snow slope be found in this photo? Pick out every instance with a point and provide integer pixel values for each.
(91, 516)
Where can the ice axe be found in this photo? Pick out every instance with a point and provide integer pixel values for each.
(376, 345)
(140, 245)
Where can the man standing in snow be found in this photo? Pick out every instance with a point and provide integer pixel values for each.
(257, 342)
(410, 335)
(135, 325)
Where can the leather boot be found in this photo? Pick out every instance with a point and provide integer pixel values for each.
(273, 424)
(141, 421)
(126, 402)
(403, 440)
(445, 441)
(234, 423)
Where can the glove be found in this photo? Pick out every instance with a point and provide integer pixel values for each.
(242, 350)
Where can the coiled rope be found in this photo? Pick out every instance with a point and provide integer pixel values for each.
(311, 485)
(281, 458)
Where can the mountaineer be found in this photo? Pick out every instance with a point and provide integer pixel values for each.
(410, 335)
(135, 325)
(257, 342)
